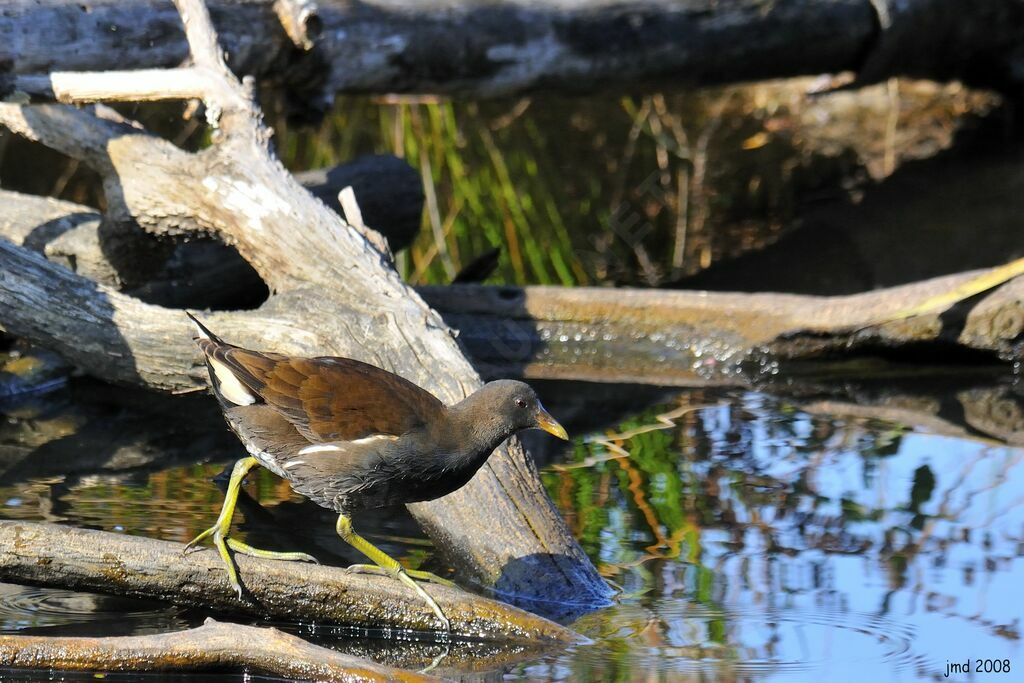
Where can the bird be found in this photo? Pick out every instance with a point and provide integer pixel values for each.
(351, 436)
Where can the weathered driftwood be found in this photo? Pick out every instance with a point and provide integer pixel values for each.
(389, 191)
(514, 45)
(333, 291)
(695, 338)
(214, 645)
(687, 337)
(100, 562)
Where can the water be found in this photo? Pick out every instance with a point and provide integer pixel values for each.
(780, 534)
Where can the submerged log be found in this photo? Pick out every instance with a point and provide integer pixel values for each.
(333, 292)
(214, 645)
(96, 561)
(498, 48)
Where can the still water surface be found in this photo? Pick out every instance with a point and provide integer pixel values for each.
(754, 536)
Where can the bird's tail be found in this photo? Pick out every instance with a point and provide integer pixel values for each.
(202, 331)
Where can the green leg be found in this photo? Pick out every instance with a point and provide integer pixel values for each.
(387, 564)
(220, 529)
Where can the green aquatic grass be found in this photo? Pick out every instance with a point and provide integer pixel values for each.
(574, 191)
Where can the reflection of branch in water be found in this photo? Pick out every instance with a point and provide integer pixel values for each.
(947, 511)
(613, 441)
(636, 487)
(572, 517)
(616, 451)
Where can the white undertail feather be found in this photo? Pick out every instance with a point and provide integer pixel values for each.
(229, 386)
(200, 333)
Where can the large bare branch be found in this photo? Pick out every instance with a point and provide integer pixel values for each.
(101, 562)
(214, 645)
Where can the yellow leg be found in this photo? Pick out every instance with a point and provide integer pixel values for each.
(220, 529)
(387, 564)
(413, 573)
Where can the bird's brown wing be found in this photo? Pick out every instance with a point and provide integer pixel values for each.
(330, 399)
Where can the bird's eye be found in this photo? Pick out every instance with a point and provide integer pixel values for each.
(521, 403)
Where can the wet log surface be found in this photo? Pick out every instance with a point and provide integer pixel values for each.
(212, 646)
(95, 561)
(515, 45)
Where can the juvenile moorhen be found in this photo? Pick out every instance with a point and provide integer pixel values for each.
(351, 436)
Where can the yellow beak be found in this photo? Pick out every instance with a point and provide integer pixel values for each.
(549, 425)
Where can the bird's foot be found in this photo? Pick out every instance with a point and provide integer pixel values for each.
(412, 573)
(407, 577)
(199, 539)
(247, 549)
(407, 580)
(222, 543)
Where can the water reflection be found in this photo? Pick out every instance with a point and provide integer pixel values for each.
(754, 539)
(833, 532)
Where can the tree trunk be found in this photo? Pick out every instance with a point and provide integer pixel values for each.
(510, 46)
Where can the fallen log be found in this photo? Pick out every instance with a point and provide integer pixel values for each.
(333, 292)
(691, 337)
(696, 338)
(96, 561)
(214, 645)
(498, 48)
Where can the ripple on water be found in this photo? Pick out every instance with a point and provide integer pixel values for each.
(26, 607)
(673, 635)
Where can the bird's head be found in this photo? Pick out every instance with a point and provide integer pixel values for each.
(516, 406)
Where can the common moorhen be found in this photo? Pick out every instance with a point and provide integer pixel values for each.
(351, 436)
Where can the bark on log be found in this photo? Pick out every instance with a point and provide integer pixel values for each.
(100, 562)
(334, 292)
(509, 46)
(214, 645)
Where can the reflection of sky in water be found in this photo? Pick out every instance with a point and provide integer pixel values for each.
(862, 583)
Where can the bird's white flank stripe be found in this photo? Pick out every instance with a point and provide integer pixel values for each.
(319, 448)
(293, 463)
(376, 437)
(325, 447)
(230, 387)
